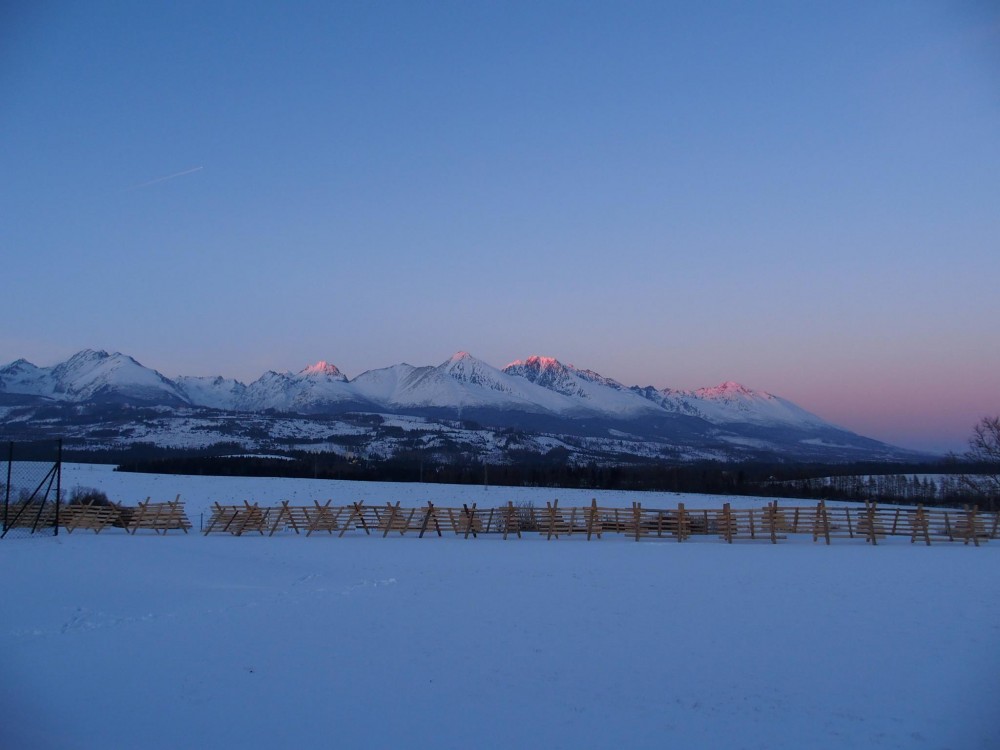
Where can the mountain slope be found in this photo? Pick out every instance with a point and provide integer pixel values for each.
(213, 392)
(382, 386)
(732, 403)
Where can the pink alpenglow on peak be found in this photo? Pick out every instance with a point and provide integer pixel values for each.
(731, 389)
(322, 368)
(588, 390)
(544, 362)
(461, 363)
(537, 364)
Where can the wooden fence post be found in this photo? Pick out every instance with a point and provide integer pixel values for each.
(471, 518)
(970, 516)
(822, 523)
(920, 525)
(427, 518)
(591, 517)
(550, 508)
(391, 518)
(511, 521)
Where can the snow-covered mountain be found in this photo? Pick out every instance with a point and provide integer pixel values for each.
(538, 385)
(23, 378)
(538, 393)
(732, 403)
(316, 389)
(94, 376)
(464, 382)
(585, 391)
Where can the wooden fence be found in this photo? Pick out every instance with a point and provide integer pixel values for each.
(157, 517)
(771, 523)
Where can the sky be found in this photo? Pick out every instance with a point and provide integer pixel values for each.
(802, 197)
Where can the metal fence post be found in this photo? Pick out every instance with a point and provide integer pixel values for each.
(58, 484)
(6, 494)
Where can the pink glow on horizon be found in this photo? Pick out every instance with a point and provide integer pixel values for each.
(937, 422)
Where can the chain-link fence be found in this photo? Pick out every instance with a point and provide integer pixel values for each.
(31, 488)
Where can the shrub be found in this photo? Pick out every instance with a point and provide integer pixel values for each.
(88, 495)
(525, 511)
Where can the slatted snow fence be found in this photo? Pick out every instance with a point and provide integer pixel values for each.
(770, 523)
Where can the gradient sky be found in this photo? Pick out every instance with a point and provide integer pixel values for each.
(803, 197)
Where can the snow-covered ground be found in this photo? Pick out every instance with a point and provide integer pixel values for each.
(114, 641)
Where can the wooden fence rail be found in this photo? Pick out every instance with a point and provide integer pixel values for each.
(771, 523)
(157, 517)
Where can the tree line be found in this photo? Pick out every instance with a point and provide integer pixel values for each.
(885, 483)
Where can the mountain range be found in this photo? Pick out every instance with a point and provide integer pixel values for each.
(538, 394)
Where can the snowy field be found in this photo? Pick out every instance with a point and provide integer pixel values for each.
(114, 641)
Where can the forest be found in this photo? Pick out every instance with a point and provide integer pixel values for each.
(939, 483)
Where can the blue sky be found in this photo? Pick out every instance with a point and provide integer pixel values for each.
(803, 197)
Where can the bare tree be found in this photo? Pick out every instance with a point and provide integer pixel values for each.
(984, 451)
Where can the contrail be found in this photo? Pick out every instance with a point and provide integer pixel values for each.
(164, 179)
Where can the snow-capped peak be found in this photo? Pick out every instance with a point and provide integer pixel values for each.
(97, 375)
(540, 363)
(733, 402)
(19, 368)
(21, 376)
(730, 389)
(549, 369)
(547, 372)
(463, 381)
(323, 369)
(590, 391)
(18, 364)
(462, 365)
